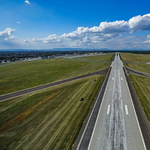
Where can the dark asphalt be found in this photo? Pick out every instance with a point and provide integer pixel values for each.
(37, 88)
(126, 62)
(131, 71)
(84, 136)
(83, 139)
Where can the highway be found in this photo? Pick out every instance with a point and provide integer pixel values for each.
(116, 126)
(113, 123)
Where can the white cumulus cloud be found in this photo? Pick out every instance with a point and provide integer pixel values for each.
(148, 39)
(7, 33)
(100, 34)
(26, 1)
(105, 33)
(110, 27)
(6, 38)
(75, 35)
(140, 23)
(50, 39)
(104, 30)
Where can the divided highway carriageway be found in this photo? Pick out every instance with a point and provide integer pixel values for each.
(116, 126)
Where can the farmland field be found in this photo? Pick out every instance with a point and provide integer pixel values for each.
(28, 74)
(48, 119)
(142, 87)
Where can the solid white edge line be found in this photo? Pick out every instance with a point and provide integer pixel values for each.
(126, 109)
(136, 115)
(90, 115)
(121, 78)
(108, 109)
(97, 117)
(112, 78)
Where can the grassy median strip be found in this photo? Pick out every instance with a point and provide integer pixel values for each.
(28, 74)
(142, 87)
(47, 119)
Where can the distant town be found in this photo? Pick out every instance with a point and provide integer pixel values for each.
(30, 55)
(12, 56)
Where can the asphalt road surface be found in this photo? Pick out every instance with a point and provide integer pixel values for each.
(131, 71)
(116, 126)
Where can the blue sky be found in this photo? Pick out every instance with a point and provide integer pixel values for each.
(36, 24)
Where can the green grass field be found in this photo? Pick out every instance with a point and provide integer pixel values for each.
(28, 74)
(142, 87)
(139, 67)
(143, 67)
(104, 57)
(141, 84)
(48, 119)
(129, 57)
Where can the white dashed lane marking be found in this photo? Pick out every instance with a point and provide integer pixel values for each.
(108, 109)
(126, 109)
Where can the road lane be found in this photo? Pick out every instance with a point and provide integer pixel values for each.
(131, 71)
(44, 86)
(117, 130)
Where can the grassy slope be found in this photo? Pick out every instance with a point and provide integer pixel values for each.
(28, 74)
(142, 87)
(104, 57)
(49, 119)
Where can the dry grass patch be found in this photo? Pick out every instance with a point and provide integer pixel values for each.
(47, 119)
(142, 87)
